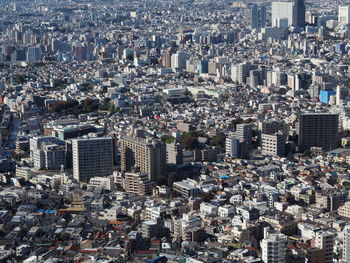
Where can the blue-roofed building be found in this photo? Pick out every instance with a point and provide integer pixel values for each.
(325, 95)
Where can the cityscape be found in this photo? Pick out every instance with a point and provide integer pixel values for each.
(189, 131)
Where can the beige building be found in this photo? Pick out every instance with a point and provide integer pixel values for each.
(344, 210)
(138, 183)
(149, 156)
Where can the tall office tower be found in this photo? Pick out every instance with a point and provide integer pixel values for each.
(244, 132)
(282, 11)
(174, 153)
(146, 154)
(232, 147)
(344, 14)
(318, 130)
(92, 157)
(257, 16)
(325, 241)
(273, 144)
(178, 60)
(33, 54)
(240, 72)
(273, 248)
(299, 13)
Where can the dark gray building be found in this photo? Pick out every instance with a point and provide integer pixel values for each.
(318, 130)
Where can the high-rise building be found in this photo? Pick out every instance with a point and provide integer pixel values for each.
(49, 157)
(240, 72)
(33, 54)
(244, 132)
(166, 59)
(178, 60)
(344, 14)
(232, 147)
(273, 248)
(203, 65)
(257, 16)
(318, 130)
(294, 82)
(280, 11)
(80, 53)
(293, 12)
(299, 13)
(148, 155)
(174, 153)
(92, 157)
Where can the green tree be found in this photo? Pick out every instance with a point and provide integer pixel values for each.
(219, 140)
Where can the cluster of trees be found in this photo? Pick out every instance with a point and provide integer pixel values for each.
(190, 140)
(73, 107)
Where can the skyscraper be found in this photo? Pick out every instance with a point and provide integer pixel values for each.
(299, 13)
(92, 157)
(33, 54)
(318, 130)
(148, 155)
(294, 12)
(280, 11)
(257, 16)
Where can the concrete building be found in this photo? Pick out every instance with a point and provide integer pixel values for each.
(244, 132)
(138, 183)
(34, 54)
(47, 153)
(344, 210)
(240, 72)
(106, 183)
(174, 153)
(344, 14)
(299, 13)
(273, 248)
(346, 242)
(186, 188)
(282, 10)
(273, 144)
(256, 16)
(178, 60)
(148, 155)
(325, 241)
(318, 130)
(92, 157)
(232, 147)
